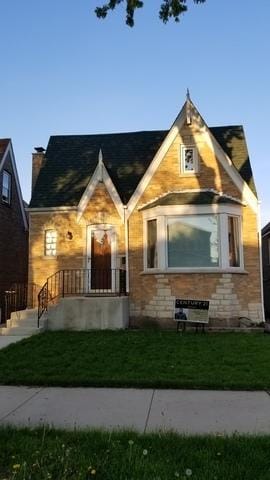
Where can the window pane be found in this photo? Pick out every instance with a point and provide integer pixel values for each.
(50, 242)
(6, 180)
(189, 164)
(152, 244)
(233, 232)
(6, 187)
(193, 241)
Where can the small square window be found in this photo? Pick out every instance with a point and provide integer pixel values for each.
(189, 160)
(50, 243)
(6, 187)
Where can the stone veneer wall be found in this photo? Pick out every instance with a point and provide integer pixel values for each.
(225, 307)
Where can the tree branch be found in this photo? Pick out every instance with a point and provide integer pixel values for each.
(168, 9)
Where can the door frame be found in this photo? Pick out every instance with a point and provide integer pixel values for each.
(93, 228)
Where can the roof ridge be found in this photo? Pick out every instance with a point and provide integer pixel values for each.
(109, 133)
(133, 132)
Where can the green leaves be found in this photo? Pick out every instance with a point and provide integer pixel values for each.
(168, 9)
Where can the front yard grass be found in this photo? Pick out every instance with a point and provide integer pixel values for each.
(41, 454)
(155, 359)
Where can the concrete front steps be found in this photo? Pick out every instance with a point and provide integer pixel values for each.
(23, 323)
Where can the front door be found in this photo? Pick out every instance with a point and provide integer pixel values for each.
(100, 244)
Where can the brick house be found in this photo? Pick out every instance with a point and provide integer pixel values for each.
(13, 224)
(175, 210)
(266, 268)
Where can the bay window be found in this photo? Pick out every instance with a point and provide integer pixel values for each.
(189, 238)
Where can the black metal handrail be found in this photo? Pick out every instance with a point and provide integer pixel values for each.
(18, 297)
(81, 282)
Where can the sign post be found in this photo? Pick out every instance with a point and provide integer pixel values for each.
(194, 311)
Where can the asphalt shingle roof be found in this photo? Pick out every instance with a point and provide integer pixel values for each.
(266, 229)
(71, 161)
(232, 140)
(190, 198)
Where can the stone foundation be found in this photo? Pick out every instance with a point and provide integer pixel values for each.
(225, 310)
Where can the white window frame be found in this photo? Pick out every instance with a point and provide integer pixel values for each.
(50, 255)
(182, 160)
(8, 176)
(162, 213)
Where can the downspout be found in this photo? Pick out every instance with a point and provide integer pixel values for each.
(260, 254)
(126, 247)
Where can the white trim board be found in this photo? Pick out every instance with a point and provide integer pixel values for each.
(170, 137)
(9, 150)
(225, 161)
(100, 175)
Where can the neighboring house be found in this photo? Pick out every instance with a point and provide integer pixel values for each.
(266, 268)
(13, 224)
(174, 211)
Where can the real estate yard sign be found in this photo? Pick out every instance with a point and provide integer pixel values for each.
(191, 311)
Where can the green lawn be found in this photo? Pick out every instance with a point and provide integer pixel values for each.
(139, 359)
(49, 454)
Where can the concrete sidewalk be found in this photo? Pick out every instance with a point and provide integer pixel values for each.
(184, 411)
(6, 340)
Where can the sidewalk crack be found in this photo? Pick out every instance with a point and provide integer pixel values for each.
(149, 410)
(21, 405)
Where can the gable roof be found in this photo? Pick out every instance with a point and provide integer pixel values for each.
(266, 229)
(72, 159)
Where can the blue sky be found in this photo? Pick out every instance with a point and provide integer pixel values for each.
(63, 71)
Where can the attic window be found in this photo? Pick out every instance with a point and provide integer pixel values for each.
(189, 159)
(6, 187)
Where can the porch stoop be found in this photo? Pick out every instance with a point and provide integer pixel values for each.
(22, 323)
(89, 313)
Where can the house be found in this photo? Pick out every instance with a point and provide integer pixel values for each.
(155, 215)
(13, 225)
(266, 268)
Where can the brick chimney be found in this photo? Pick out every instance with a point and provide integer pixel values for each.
(38, 160)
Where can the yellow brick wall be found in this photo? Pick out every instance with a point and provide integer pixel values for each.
(70, 253)
(231, 295)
